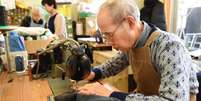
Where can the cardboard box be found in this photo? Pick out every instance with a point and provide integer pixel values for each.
(33, 45)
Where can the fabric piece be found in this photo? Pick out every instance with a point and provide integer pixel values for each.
(81, 97)
(119, 95)
(15, 42)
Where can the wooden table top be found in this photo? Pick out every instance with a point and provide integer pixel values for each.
(21, 89)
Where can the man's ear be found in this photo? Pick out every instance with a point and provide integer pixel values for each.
(131, 21)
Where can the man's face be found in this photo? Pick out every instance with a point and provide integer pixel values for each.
(36, 16)
(119, 35)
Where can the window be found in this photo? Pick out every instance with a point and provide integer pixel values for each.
(189, 23)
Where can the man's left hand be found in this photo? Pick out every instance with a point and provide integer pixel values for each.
(97, 89)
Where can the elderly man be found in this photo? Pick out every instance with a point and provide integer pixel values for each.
(162, 67)
(35, 20)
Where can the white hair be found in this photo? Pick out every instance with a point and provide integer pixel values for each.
(121, 8)
(36, 10)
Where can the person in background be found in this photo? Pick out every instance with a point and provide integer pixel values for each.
(56, 23)
(35, 20)
(162, 66)
(153, 12)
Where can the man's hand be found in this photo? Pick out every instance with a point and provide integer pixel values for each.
(91, 76)
(97, 89)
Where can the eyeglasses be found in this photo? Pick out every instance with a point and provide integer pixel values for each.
(109, 35)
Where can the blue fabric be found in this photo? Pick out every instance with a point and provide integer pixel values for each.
(119, 95)
(15, 42)
(19, 63)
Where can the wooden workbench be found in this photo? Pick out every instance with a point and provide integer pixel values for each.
(21, 89)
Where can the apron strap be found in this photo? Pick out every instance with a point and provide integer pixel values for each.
(153, 36)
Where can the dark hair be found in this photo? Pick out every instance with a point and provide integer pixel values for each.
(26, 21)
(49, 2)
(150, 3)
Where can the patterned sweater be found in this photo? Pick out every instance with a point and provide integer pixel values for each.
(171, 60)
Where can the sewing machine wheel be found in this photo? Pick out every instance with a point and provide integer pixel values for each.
(78, 64)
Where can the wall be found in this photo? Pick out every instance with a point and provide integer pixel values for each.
(9, 4)
(30, 2)
(140, 3)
